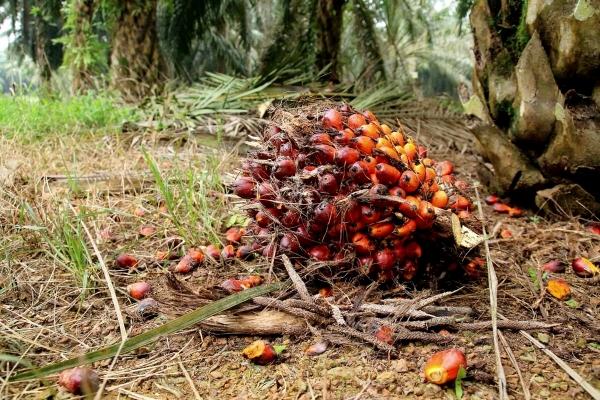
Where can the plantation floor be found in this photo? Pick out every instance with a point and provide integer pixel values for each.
(55, 303)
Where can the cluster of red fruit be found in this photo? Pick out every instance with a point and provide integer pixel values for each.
(343, 183)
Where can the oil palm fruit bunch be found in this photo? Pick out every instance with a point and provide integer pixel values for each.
(333, 185)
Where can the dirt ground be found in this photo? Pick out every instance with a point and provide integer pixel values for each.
(43, 318)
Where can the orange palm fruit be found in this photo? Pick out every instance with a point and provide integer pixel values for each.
(439, 199)
(443, 367)
(386, 129)
(332, 119)
(385, 153)
(409, 181)
(383, 142)
(364, 144)
(362, 244)
(370, 130)
(444, 168)
(369, 115)
(409, 207)
(559, 289)
(410, 149)
(386, 174)
(429, 173)
(406, 229)
(260, 352)
(380, 230)
(397, 138)
(355, 121)
(371, 163)
(419, 170)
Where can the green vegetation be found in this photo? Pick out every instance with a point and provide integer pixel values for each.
(30, 117)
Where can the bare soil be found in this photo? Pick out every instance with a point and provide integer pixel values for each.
(43, 318)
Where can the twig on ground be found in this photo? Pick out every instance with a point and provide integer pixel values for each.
(504, 324)
(515, 364)
(493, 287)
(346, 330)
(298, 283)
(189, 380)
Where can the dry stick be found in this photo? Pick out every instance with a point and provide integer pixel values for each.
(298, 283)
(576, 377)
(515, 364)
(504, 324)
(493, 285)
(392, 310)
(115, 301)
(189, 380)
(455, 311)
(346, 330)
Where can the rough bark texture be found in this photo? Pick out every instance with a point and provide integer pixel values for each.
(536, 87)
(329, 33)
(84, 16)
(135, 56)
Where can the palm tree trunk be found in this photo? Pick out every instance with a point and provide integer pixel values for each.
(329, 34)
(84, 14)
(135, 55)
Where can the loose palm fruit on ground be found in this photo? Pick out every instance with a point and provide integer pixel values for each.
(559, 289)
(443, 367)
(125, 261)
(138, 290)
(260, 352)
(584, 267)
(80, 380)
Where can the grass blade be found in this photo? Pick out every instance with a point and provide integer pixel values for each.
(145, 338)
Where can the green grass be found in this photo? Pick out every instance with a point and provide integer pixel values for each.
(28, 117)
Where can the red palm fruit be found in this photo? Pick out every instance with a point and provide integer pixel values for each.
(406, 229)
(287, 149)
(244, 252)
(461, 185)
(138, 290)
(228, 252)
(450, 179)
(374, 179)
(332, 119)
(266, 194)
(337, 230)
(409, 269)
(289, 243)
(346, 156)
(555, 266)
(383, 142)
(444, 168)
(184, 265)
(324, 154)
(371, 163)
(80, 380)
(505, 233)
(125, 261)
(369, 215)
(304, 237)
(463, 203)
(593, 228)
(364, 144)
(354, 227)
(379, 190)
(397, 138)
(433, 186)
(269, 251)
(384, 332)
(272, 131)
(343, 137)
(263, 220)
(290, 219)
(309, 195)
(398, 251)
(212, 251)
(444, 366)
(234, 285)
(422, 151)
(384, 258)
(463, 214)
(147, 231)
(254, 280)
(260, 352)
(397, 191)
(584, 267)
(515, 212)
(317, 228)
(324, 213)
(358, 172)
(263, 236)
(196, 256)
(355, 121)
(362, 244)
(387, 175)
(320, 138)
(380, 230)
(409, 207)
(429, 174)
(352, 211)
(409, 181)
(439, 199)
(346, 108)
(369, 115)
(258, 171)
(410, 149)
(412, 250)
(233, 235)
(491, 199)
(384, 154)
(339, 260)
(501, 208)
(284, 168)
(328, 184)
(420, 170)
(366, 264)
(425, 215)
(320, 252)
(167, 255)
(386, 211)
(369, 130)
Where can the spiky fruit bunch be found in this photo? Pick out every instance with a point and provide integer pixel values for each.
(336, 186)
